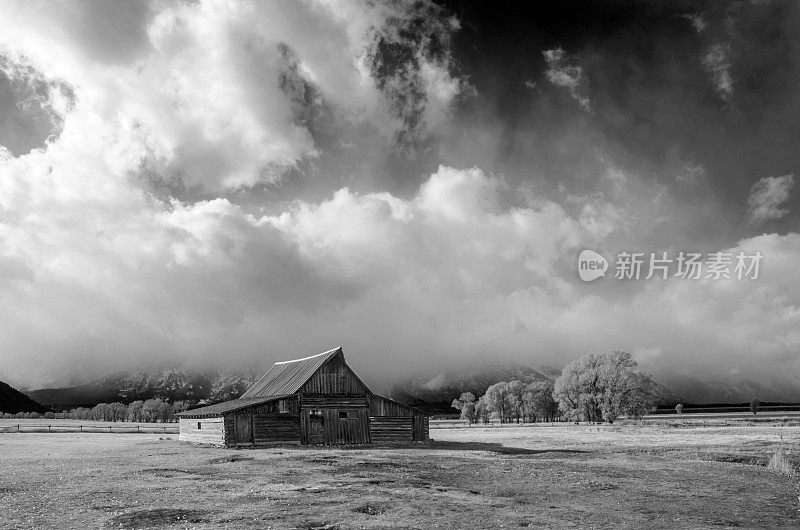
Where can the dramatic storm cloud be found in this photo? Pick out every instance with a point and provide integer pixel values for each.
(213, 182)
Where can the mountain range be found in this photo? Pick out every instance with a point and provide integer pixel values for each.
(172, 383)
(176, 383)
(736, 388)
(431, 393)
(13, 401)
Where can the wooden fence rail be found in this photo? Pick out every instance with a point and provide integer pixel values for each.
(650, 421)
(460, 424)
(111, 429)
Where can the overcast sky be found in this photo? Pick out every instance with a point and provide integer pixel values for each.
(229, 182)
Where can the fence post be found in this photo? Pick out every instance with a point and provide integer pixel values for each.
(80, 427)
(109, 429)
(49, 428)
(138, 429)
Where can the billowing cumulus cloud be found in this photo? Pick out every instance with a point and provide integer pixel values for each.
(119, 275)
(32, 107)
(154, 198)
(450, 273)
(221, 95)
(767, 197)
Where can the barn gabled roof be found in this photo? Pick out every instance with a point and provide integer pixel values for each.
(288, 377)
(227, 406)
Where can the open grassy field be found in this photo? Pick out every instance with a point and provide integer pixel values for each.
(555, 476)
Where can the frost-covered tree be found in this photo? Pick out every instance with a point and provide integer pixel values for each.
(539, 401)
(155, 410)
(135, 411)
(117, 411)
(466, 404)
(515, 390)
(498, 401)
(601, 387)
(481, 411)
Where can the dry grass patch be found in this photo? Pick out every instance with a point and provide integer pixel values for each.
(371, 508)
(780, 464)
(231, 458)
(157, 518)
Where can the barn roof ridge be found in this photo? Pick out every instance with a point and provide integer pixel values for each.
(310, 356)
(287, 377)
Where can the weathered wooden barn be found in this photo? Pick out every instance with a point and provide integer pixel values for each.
(316, 400)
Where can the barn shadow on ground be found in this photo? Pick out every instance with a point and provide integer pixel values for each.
(497, 448)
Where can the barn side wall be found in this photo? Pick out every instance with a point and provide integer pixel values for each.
(276, 422)
(211, 431)
(329, 428)
(385, 429)
(276, 429)
(393, 422)
(333, 430)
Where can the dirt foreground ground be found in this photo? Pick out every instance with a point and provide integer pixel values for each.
(566, 476)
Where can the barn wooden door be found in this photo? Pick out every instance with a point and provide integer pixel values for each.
(316, 431)
(243, 429)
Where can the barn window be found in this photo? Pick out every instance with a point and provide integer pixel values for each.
(199, 425)
(283, 406)
(344, 415)
(315, 413)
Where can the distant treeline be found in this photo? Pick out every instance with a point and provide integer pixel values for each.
(595, 388)
(510, 401)
(727, 407)
(148, 411)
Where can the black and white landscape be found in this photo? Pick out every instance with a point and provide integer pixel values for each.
(567, 234)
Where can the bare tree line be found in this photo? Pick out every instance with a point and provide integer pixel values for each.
(598, 387)
(510, 401)
(149, 411)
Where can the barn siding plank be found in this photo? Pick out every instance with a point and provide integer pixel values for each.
(391, 429)
(212, 431)
(276, 428)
